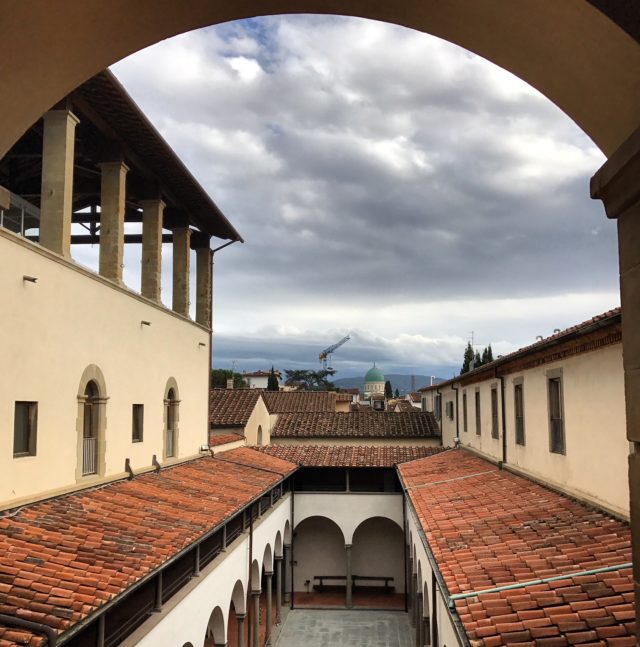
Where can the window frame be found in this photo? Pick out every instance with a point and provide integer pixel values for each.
(495, 420)
(556, 424)
(31, 432)
(520, 437)
(478, 413)
(465, 418)
(137, 423)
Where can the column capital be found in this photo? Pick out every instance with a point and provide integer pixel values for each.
(278, 558)
(152, 203)
(268, 573)
(115, 164)
(240, 616)
(616, 182)
(347, 546)
(60, 115)
(256, 593)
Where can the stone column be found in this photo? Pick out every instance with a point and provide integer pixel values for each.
(409, 584)
(113, 193)
(287, 573)
(240, 618)
(224, 644)
(152, 213)
(56, 205)
(181, 263)
(414, 585)
(349, 577)
(256, 618)
(617, 184)
(204, 286)
(278, 588)
(269, 580)
(419, 637)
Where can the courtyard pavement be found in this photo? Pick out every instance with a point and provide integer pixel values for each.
(342, 628)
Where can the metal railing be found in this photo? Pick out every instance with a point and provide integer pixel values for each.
(89, 456)
(21, 215)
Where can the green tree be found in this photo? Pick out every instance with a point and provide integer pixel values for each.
(272, 381)
(487, 355)
(468, 358)
(388, 391)
(310, 380)
(397, 393)
(219, 377)
(477, 359)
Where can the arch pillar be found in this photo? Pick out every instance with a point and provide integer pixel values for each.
(419, 621)
(286, 550)
(269, 579)
(409, 584)
(617, 185)
(349, 579)
(255, 620)
(240, 617)
(278, 559)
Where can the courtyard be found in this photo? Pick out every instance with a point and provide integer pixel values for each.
(345, 628)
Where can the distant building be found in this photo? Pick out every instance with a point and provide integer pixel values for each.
(373, 382)
(259, 379)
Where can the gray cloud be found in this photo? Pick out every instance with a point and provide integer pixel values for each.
(369, 167)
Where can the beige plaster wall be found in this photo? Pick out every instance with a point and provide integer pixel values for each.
(259, 418)
(71, 319)
(594, 467)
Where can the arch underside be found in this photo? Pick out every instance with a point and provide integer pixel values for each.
(570, 51)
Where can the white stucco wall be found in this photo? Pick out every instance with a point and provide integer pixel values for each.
(184, 618)
(71, 319)
(594, 467)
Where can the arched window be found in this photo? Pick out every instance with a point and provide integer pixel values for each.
(90, 426)
(259, 440)
(171, 404)
(91, 423)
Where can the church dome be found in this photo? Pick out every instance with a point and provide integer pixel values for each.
(374, 375)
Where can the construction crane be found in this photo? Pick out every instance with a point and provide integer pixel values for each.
(326, 353)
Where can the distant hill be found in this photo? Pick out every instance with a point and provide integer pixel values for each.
(400, 382)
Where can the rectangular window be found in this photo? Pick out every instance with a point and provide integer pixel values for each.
(438, 407)
(478, 423)
(518, 401)
(465, 421)
(450, 409)
(556, 423)
(25, 428)
(494, 412)
(138, 423)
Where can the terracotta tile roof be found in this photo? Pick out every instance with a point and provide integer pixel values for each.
(415, 396)
(359, 406)
(63, 558)
(490, 528)
(363, 424)
(216, 440)
(405, 405)
(348, 455)
(299, 401)
(610, 317)
(232, 407)
(352, 390)
(343, 397)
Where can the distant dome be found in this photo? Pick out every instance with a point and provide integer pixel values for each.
(374, 375)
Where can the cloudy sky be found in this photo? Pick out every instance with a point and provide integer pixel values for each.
(387, 184)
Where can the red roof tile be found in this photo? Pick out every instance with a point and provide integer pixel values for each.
(348, 455)
(63, 558)
(299, 401)
(232, 407)
(362, 424)
(215, 440)
(489, 528)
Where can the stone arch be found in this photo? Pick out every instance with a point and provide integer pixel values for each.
(277, 545)
(377, 550)
(267, 559)
(171, 420)
(573, 53)
(255, 575)
(215, 627)
(239, 598)
(319, 549)
(91, 424)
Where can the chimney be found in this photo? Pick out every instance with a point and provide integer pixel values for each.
(230, 383)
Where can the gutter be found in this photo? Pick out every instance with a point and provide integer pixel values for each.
(435, 569)
(72, 631)
(34, 627)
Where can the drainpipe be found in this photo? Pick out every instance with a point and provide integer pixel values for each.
(455, 388)
(504, 418)
(440, 421)
(249, 589)
(293, 490)
(406, 546)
